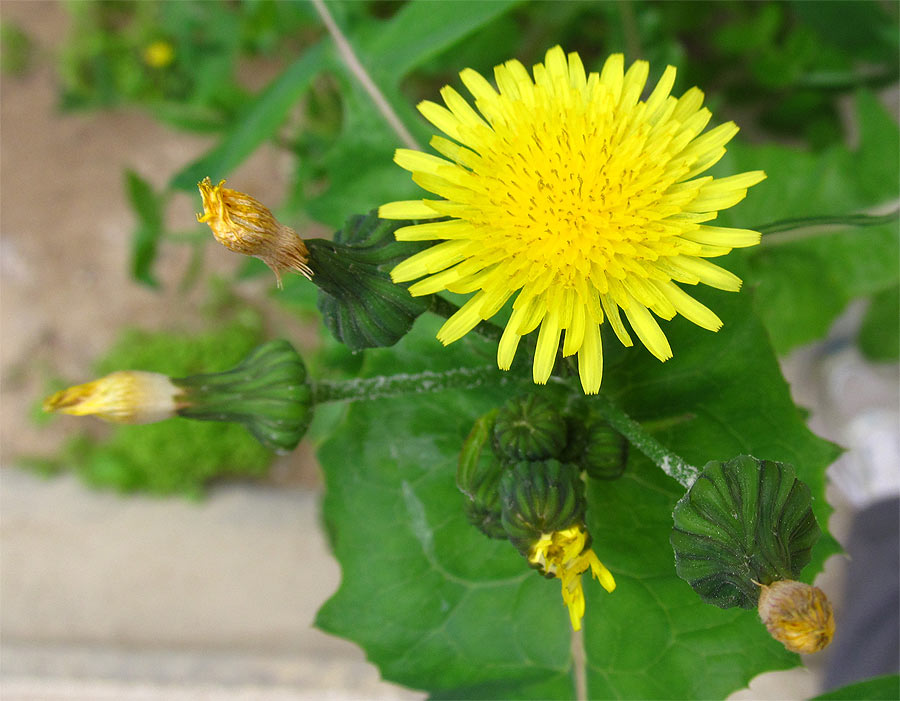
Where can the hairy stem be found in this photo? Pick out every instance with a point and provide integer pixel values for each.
(670, 463)
(356, 68)
(402, 384)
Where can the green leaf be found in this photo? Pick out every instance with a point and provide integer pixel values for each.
(803, 281)
(879, 337)
(258, 123)
(148, 207)
(720, 395)
(742, 523)
(422, 30)
(885, 688)
(436, 605)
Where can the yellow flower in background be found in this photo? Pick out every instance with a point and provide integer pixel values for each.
(565, 555)
(159, 54)
(125, 397)
(244, 225)
(577, 196)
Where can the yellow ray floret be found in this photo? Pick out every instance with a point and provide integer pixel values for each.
(126, 396)
(570, 194)
(565, 554)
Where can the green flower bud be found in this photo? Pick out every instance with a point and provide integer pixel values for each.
(605, 451)
(538, 498)
(268, 393)
(529, 428)
(360, 304)
(478, 478)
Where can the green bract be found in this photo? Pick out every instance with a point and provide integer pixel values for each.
(540, 497)
(478, 478)
(268, 393)
(743, 523)
(529, 428)
(359, 303)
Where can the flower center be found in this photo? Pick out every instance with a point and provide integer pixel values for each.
(568, 189)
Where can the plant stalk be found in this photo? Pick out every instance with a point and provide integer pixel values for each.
(403, 384)
(670, 463)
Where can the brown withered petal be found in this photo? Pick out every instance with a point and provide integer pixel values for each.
(797, 615)
(244, 225)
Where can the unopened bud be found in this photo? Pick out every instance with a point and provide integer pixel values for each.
(540, 497)
(529, 428)
(268, 393)
(478, 478)
(797, 615)
(125, 397)
(243, 225)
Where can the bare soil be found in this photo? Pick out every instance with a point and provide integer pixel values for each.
(65, 238)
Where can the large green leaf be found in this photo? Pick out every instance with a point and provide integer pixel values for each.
(803, 282)
(719, 396)
(436, 605)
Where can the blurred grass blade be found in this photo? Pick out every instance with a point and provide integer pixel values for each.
(147, 206)
(260, 121)
(422, 30)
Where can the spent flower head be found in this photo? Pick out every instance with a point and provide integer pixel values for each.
(797, 615)
(577, 196)
(244, 225)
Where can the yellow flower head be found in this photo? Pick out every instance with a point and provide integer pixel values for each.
(797, 615)
(159, 54)
(244, 225)
(577, 196)
(565, 555)
(127, 397)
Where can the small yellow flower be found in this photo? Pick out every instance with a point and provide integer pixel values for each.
(126, 397)
(159, 54)
(244, 225)
(797, 615)
(577, 196)
(565, 555)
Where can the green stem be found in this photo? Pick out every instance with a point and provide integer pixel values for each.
(445, 309)
(670, 463)
(787, 230)
(418, 383)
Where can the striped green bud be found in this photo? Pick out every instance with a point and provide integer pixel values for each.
(268, 393)
(529, 428)
(540, 497)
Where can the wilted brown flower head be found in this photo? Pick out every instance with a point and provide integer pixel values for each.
(244, 225)
(797, 615)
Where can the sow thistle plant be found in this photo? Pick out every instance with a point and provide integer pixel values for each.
(568, 203)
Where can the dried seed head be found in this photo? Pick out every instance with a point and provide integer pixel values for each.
(797, 615)
(244, 225)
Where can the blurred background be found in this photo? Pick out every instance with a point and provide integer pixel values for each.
(182, 561)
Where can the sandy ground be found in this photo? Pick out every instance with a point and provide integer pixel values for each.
(217, 599)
